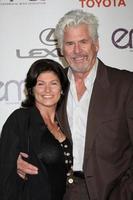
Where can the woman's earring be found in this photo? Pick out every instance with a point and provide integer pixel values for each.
(61, 92)
(30, 91)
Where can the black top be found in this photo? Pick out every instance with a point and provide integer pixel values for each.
(25, 131)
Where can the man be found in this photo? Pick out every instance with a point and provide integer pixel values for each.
(97, 115)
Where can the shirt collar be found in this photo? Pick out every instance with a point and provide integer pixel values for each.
(89, 79)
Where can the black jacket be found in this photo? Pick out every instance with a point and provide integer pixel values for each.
(25, 131)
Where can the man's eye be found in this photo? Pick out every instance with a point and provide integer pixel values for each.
(69, 43)
(84, 41)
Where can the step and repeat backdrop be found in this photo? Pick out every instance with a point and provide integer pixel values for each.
(26, 34)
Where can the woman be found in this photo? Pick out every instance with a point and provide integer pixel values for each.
(34, 129)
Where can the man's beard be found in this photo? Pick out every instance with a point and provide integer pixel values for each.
(82, 69)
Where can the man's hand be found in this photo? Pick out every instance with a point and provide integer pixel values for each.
(24, 167)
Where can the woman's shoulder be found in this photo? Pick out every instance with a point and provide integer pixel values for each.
(18, 116)
(15, 121)
(20, 112)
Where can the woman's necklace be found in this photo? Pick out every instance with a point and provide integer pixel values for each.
(55, 130)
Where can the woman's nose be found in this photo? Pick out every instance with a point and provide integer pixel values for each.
(47, 88)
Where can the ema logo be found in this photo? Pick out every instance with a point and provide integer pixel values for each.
(7, 89)
(22, 2)
(123, 38)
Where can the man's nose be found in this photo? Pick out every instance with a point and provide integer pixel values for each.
(77, 48)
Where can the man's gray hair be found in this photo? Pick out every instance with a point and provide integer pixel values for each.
(74, 18)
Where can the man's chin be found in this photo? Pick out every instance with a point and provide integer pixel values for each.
(79, 69)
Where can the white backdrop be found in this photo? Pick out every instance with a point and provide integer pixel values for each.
(26, 35)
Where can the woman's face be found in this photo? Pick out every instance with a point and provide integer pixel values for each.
(47, 90)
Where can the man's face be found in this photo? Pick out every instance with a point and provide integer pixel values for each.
(79, 49)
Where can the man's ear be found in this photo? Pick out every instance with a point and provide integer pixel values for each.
(97, 45)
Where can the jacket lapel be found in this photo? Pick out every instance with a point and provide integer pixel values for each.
(96, 108)
(37, 129)
(98, 100)
(62, 116)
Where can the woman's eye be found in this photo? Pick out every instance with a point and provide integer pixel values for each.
(54, 83)
(40, 84)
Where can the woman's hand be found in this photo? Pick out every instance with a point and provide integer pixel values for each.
(23, 167)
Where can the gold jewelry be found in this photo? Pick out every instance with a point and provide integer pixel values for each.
(57, 133)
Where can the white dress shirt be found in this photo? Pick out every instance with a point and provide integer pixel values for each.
(77, 111)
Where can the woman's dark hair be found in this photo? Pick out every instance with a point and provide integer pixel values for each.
(35, 70)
